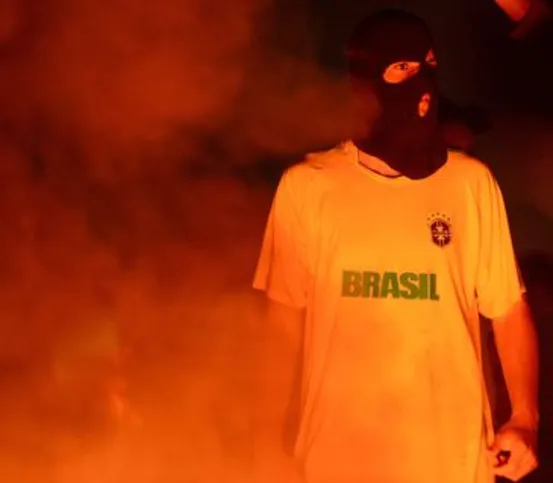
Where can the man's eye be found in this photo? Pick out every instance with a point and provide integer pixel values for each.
(402, 66)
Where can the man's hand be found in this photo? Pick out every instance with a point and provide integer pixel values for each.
(513, 453)
(515, 9)
(530, 16)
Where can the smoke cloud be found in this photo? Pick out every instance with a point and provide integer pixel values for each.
(127, 244)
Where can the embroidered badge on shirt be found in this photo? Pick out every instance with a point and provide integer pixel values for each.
(441, 231)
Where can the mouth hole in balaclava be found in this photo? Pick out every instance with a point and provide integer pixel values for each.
(431, 58)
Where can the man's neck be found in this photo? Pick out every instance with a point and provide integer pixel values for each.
(377, 165)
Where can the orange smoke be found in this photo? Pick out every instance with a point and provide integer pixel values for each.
(125, 317)
(122, 75)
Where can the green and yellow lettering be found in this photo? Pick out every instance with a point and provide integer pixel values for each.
(371, 284)
(423, 286)
(434, 287)
(407, 285)
(351, 283)
(409, 281)
(390, 285)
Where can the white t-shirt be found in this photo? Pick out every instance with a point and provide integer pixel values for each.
(392, 273)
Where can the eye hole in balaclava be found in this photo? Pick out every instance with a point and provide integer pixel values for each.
(402, 70)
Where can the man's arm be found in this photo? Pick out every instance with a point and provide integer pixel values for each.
(283, 275)
(517, 346)
(277, 384)
(500, 291)
(281, 336)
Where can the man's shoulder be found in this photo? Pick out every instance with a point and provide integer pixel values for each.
(468, 163)
(469, 168)
(317, 165)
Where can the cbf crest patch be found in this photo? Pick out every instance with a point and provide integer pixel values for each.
(440, 229)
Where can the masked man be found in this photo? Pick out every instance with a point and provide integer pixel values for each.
(378, 257)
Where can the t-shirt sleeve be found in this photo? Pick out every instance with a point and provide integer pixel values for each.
(282, 270)
(498, 282)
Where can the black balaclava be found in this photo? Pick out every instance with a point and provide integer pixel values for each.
(407, 142)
